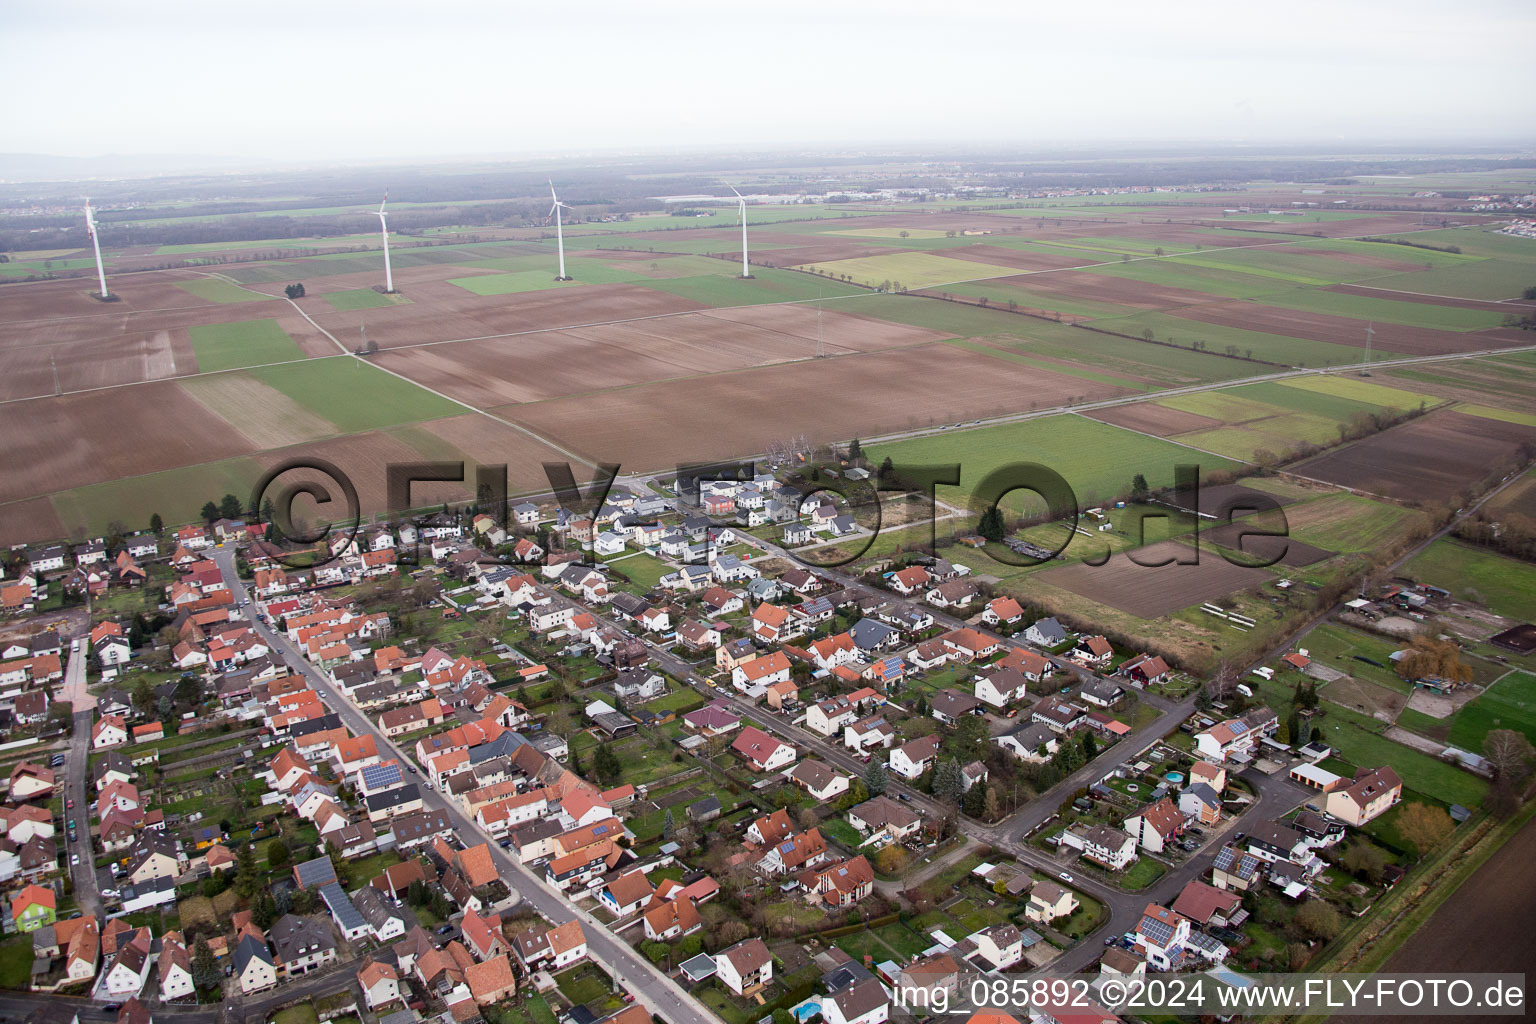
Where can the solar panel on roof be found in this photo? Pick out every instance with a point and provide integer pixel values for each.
(787, 847)
(599, 829)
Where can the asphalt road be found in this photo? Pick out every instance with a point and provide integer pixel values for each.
(77, 774)
(634, 974)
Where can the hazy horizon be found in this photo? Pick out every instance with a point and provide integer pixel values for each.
(348, 83)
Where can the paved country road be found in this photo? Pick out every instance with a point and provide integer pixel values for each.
(632, 972)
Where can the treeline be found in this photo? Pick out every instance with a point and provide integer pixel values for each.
(1512, 534)
(1455, 250)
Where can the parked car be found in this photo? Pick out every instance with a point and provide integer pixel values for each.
(69, 805)
(74, 859)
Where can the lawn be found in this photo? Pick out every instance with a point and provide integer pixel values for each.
(243, 343)
(302, 1013)
(1503, 585)
(582, 984)
(361, 298)
(16, 963)
(644, 570)
(1098, 460)
(1338, 646)
(1509, 703)
(1419, 771)
(1142, 873)
(354, 395)
(841, 832)
(911, 270)
(218, 290)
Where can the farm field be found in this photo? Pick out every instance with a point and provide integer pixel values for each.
(361, 298)
(743, 411)
(1150, 591)
(911, 270)
(1349, 522)
(218, 290)
(1438, 457)
(1096, 459)
(1506, 586)
(244, 343)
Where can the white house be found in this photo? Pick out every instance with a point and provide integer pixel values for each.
(914, 757)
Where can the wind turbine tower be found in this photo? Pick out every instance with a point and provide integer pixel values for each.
(741, 204)
(101, 271)
(554, 211)
(1370, 332)
(389, 277)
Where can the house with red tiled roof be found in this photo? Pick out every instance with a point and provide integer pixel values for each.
(761, 751)
(1156, 825)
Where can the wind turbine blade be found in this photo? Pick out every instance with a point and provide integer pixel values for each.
(552, 209)
(733, 189)
(552, 195)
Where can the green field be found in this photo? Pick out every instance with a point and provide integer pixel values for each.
(1366, 749)
(521, 281)
(243, 343)
(355, 395)
(1000, 293)
(1348, 522)
(1096, 459)
(1220, 282)
(1358, 390)
(911, 270)
(177, 494)
(1337, 646)
(1389, 311)
(361, 298)
(1044, 364)
(1503, 585)
(766, 285)
(1273, 348)
(1505, 415)
(1509, 703)
(216, 289)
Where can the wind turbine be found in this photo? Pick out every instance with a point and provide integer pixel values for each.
(90, 229)
(1370, 333)
(746, 269)
(389, 277)
(554, 211)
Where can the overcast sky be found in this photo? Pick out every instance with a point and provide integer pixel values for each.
(339, 79)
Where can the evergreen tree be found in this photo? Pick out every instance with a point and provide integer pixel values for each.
(1090, 746)
(210, 512)
(575, 762)
(606, 765)
(1139, 489)
(156, 524)
(855, 451)
(668, 826)
(205, 969)
(991, 525)
(975, 802)
(230, 507)
(948, 783)
(875, 778)
(887, 468)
